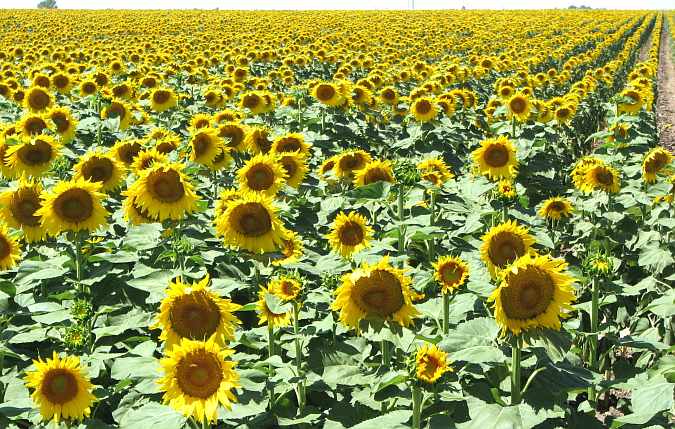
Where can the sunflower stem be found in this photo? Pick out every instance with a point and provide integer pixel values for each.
(401, 218)
(270, 367)
(446, 313)
(77, 244)
(432, 222)
(386, 352)
(595, 296)
(205, 424)
(417, 406)
(516, 345)
(513, 125)
(298, 358)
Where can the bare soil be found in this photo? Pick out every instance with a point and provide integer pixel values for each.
(665, 101)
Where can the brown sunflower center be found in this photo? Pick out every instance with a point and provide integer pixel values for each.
(431, 365)
(88, 87)
(289, 145)
(556, 206)
(201, 144)
(61, 121)
(379, 294)
(604, 177)
(325, 92)
(251, 101)
(161, 96)
(5, 247)
(252, 219)
(59, 386)
(505, 248)
(38, 99)
(562, 112)
(75, 205)
(128, 152)
(260, 177)
(656, 163)
(36, 154)
(167, 186)
(289, 165)
(166, 147)
(23, 208)
(376, 175)
(60, 81)
(496, 156)
(423, 107)
(351, 234)
(451, 273)
(529, 293)
(194, 316)
(199, 374)
(235, 134)
(518, 105)
(98, 170)
(118, 110)
(35, 125)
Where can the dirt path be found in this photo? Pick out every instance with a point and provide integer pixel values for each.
(665, 107)
(644, 49)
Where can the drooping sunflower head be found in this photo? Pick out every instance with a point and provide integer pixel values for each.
(555, 208)
(100, 167)
(206, 145)
(631, 102)
(72, 206)
(285, 287)
(251, 223)
(148, 158)
(257, 140)
(64, 123)
(127, 150)
(535, 291)
(434, 170)
(496, 158)
(601, 177)
(164, 192)
(350, 233)
(656, 161)
(234, 135)
(451, 272)
(379, 292)
(350, 161)
(33, 157)
(62, 389)
(519, 106)
(291, 142)
(18, 207)
(291, 249)
(261, 174)
(134, 213)
(252, 101)
(374, 171)
(294, 166)
(198, 378)
(200, 120)
(578, 173)
(503, 244)
(118, 108)
(424, 109)
(38, 99)
(195, 312)
(10, 252)
(272, 315)
(431, 363)
(162, 99)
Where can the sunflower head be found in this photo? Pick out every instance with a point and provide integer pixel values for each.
(601, 177)
(62, 391)
(434, 170)
(147, 158)
(31, 124)
(285, 287)
(206, 145)
(257, 140)
(450, 272)
(350, 233)
(327, 93)
(120, 109)
(33, 157)
(18, 207)
(102, 168)
(64, 123)
(374, 171)
(38, 99)
(270, 311)
(656, 161)
(496, 158)
(350, 161)
(162, 99)
(126, 151)
(503, 244)
(535, 291)
(164, 192)
(519, 107)
(431, 363)
(10, 252)
(291, 142)
(291, 249)
(262, 174)
(424, 109)
(555, 208)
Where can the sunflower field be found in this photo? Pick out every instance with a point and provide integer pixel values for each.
(433, 219)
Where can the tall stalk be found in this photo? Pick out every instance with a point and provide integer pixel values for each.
(595, 296)
(516, 390)
(417, 406)
(298, 358)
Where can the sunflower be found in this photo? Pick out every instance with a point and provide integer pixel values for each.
(31, 124)
(253, 101)
(222, 160)
(654, 162)
(64, 123)
(451, 272)
(235, 134)
(126, 151)
(267, 315)
(97, 166)
(350, 161)
(496, 158)
(291, 249)
(88, 87)
(198, 378)
(434, 170)
(503, 244)
(534, 292)
(133, 213)
(431, 363)
(350, 233)
(164, 192)
(147, 158)
(162, 99)
(200, 120)
(379, 292)
(506, 189)
(38, 99)
(10, 252)
(519, 107)
(631, 102)
(555, 208)
(564, 113)
(226, 195)
(262, 174)
(72, 206)
(206, 145)
(601, 177)
(193, 311)
(257, 140)
(18, 207)
(389, 95)
(291, 142)
(285, 287)
(33, 157)
(424, 109)
(294, 166)
(118, 109)
(62, 389)
(328, 94)
(251, 223)
(374, 171)
(578, 173)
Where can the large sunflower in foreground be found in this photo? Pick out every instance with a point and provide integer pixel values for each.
(72, 206)
(350, 233)
(450, 272)
(193, 311)
(373, 172)
(379, 292)
(33, 157)
(198, 378)
(555, 208)
(251, 223)
(262, 174)
(10, 252)
(100, 167)
(655, 162)
(496, 158)
(266, 315)
(18, 207)
(431, 363)
(164, 191)
(535, 291)
(503, 244)
(62, 390)
(601, 177)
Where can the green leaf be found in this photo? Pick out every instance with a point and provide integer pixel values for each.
(476, 332)
(373, 191)
(652, 397)
(276, 305)
(153, 415)
(393, 420)
(655, 258)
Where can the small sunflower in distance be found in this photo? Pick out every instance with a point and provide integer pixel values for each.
(655, 161)
(535, 291)
(519, 107)
(10, 252)
(267, 315)
(350, 233)
(503, 244)
(18, 207)
(431, 363)
(251, 223)
(285, 287)
(379, 292)
(496, 158)
(62, 390)
(72, 206)
(424, 109)
(555, 208)
(165, 192)
(193, 311)
(101, 168)
(373, 172)
(198, 378)
(261, 174)
(162, 99)
(450, 272)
